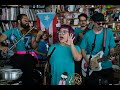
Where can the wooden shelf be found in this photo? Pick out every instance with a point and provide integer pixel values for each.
(113, 22)
(8, 20)
(9, 6)
(36, 8)
(68, 12)
(14, 20)
(112, 8)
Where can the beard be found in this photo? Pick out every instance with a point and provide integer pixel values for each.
(25, 26)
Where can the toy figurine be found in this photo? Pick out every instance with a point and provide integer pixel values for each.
(63, 78)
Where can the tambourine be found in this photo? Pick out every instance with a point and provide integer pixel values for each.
(75, 79)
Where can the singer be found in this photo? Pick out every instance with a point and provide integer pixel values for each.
(62, 58)
(23, 47)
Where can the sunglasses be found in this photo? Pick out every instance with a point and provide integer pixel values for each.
(99, 23)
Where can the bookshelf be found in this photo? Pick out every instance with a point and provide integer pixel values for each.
(71, 17)
(9, 14)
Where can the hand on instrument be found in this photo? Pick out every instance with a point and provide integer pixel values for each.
(94, 65)
(4, 49)
(39, 33)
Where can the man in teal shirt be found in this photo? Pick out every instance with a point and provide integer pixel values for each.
(22, 58)
(80, 31)
(92, 45)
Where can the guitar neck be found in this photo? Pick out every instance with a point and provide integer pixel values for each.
(107, 57)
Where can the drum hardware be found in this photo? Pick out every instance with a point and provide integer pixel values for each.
(47, 74)
(4, 82)
(37, 77)
(6, 67)
(10, 74)
(47, 70)
(4, 62)
(40, 73)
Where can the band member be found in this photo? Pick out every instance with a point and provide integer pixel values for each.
(23, 58)
(79, 33)
(91, 44)
(43, 46)
(42, 51)
(65, 52)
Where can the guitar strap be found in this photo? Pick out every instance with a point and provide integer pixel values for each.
(104, 39)
(93, 46)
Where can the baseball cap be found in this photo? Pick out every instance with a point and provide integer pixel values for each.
(98, 17)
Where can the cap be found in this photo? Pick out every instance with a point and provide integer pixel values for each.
(97, 17)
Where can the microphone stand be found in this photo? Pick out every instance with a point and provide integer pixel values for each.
(47, 72)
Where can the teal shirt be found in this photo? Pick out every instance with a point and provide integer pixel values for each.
(20, 46)
(88, 40)
(61, 61)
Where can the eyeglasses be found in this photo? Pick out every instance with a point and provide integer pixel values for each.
(63, 32)
(99, 23)
(82, 20)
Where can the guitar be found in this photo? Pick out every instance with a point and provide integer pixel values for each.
(95, 63)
